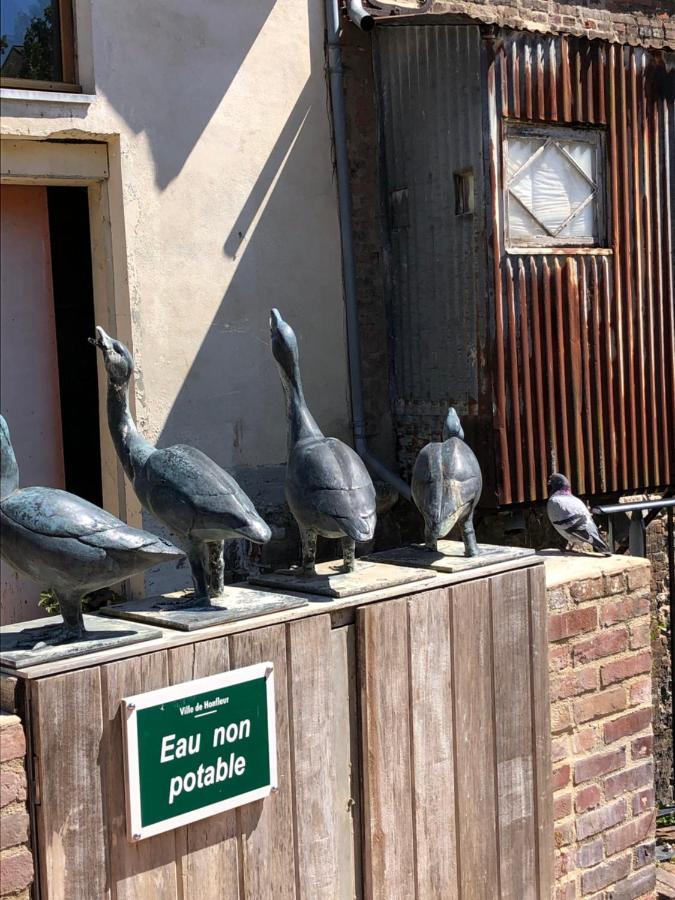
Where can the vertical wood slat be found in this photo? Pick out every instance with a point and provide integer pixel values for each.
(574, 354)
(148, 867)
(68, 731)
(389, 842)
(524, 306)
(554, 461)
(515, 384)
(514, 751)
(477, 837)
(207, 850)
(537, 341)
(430, 662)
(266, 826)
(309, 651)
(600, 367)
(587, 349)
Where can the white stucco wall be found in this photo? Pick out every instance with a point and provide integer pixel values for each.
(229, 208)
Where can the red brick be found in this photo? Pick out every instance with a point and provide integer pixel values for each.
(561, 717)
(626, 608)
(615, 584)
(628, 780)
(642, 746)
(600, 819)
(13, 829)
(584, 740)
(559, 749)
(615, 671)
(560, 657)
(638, 578)
(641, 692)
(12, 743)
(12, 787)
(643, 800)
(561, 777)
(16, 872)
(640, 634)
(567, 891)
(605, 643)
(590, 854)
(567, 624)
(644, 854)
(630, 834)
(562, 807)
(574, 682)
(605, 874)
(639, 885)
(629, 724)
(587, 798)
(563, 835)
(603, 703)
(588, 589)
(564, 861)
(598, 764)
(557, 598)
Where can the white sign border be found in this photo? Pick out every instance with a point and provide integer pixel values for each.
(130, 707)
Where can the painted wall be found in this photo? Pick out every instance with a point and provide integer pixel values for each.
(218, 115)
(28, 365)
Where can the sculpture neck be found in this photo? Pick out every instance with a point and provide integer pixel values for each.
(301, 423)
(9, 470)
(132, 448)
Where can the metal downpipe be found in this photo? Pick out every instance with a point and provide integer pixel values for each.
(334, 54)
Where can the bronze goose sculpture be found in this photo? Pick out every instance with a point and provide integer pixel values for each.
(68, 544)
(446, 486)
(179, 485)
(328, 488)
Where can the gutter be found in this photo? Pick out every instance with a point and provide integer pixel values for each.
(334, 56)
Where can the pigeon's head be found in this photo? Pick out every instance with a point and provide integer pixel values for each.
(284, 343)
(558, 482)
(119, 363)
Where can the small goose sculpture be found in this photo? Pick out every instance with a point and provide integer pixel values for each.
(179, 485)
(446, 486)
(328, 487)
(68, 544)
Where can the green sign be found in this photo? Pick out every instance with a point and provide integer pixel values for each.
(196, 749)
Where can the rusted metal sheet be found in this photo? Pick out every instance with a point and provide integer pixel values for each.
(599, 324)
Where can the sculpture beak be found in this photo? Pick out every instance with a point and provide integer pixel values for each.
(275, 321)
(102, 340)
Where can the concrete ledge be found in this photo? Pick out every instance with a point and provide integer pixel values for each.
(563, 568)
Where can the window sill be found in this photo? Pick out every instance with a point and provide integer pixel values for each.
(559, 251)
(45, 97)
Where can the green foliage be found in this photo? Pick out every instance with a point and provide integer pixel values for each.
(90, 603)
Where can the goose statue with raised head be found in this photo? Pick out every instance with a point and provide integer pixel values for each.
(446, 486)
(68, 544)
(181, 486)
(328, 488)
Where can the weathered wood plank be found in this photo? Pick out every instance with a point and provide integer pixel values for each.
(513, 736)
(266, 827)
(313, 766)
(475, 782)
(433, 770)
(146, 868)
(541, 728)
(389, 851)
(346, 759)
(206, 851)
(67, 729)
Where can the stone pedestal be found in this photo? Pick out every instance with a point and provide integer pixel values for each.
(450, 556)
(332, 581)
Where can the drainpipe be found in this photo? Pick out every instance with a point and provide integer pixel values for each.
(334, 53)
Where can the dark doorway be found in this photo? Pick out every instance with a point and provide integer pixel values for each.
(74, 312)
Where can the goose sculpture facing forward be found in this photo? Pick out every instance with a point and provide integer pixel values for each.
(446, 486)
(68, 544)
(328, 487)
(180, 485)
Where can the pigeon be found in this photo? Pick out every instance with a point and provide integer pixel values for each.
(570, 516)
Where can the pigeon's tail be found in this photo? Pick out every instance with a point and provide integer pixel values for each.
(600, 545)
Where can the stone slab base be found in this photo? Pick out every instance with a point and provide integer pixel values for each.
(331, 581)
(450, 556)
(35, 642)
(177, 611)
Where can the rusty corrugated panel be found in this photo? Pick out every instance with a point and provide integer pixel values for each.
(599, 325)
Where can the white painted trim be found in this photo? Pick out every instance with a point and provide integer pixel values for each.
(130, 707)
(42, 97)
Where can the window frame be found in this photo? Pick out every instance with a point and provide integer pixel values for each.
(596, 137)
(66, 38)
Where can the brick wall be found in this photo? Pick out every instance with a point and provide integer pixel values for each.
(16, 860)
(601, 719)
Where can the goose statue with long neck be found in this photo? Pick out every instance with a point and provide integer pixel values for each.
(328, 488)
(67, 544)
(180, 486)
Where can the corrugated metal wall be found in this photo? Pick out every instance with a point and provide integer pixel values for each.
(585, 341)
(430, 116)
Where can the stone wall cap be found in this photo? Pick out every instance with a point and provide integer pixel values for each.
(563, 568)
(8, 719)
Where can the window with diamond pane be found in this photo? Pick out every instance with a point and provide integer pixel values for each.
(554, 186)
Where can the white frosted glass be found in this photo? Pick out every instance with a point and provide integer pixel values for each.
(520, 150)
(583, 155)
(521, 223)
